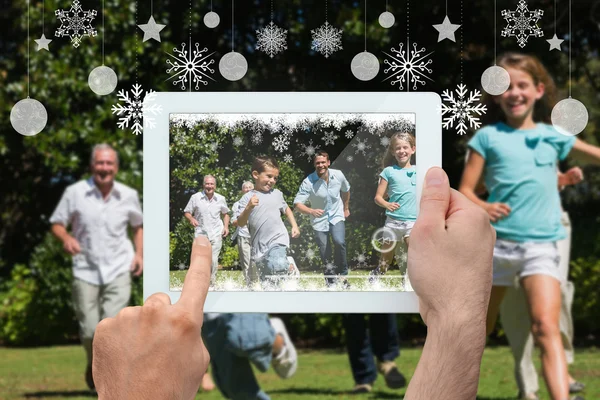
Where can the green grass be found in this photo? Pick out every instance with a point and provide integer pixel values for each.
(57, 373)
(308, 280)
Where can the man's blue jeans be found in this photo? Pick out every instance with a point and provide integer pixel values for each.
(340, 263)
(235, 342)
(379, 339)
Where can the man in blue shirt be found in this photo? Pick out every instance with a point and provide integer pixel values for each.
(328, 193)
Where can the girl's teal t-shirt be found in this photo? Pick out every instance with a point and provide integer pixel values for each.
(402, 189)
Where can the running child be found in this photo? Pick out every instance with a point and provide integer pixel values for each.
(262, 209)
(517, 157)
(242, 237)
(398, 184)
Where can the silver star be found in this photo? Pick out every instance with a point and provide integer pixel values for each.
(42, 43)
(151, 30)
(555, 43)
(446, 30)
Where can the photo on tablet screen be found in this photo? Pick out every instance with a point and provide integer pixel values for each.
(348, 180)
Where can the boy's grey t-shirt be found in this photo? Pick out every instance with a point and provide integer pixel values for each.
(265, 224)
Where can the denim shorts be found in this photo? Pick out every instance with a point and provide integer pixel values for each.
(273, 263)
(514, 259)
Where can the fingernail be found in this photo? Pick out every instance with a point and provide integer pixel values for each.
(435, 177)
(201, 241)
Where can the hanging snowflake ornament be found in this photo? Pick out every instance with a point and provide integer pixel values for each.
(281, 143)
(329, 138)
(326, 39)
(408, 66)
(361, 147)
(191, 65)
(75, 23)
(309, 150)
(522, 23)
(462, 110)
(134, 108)
(271, 39)
(256, 138)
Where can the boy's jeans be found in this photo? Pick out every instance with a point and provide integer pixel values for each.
(235, 342)
(273, 264)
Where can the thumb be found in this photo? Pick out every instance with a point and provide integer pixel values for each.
(435, 199)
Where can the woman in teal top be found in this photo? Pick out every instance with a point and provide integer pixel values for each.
(398, 180)
(517, 158)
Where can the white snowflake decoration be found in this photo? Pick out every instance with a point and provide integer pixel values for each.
(522, 23)
(271, 39)
(385, 141)
(462, 109)
(326, 39)
(214, 146)
(349, 134)
(134, 108)
(309, 150)
(238, 141)
(350, 158)
(256, 138)
(75, 23)
(408, 66)
(361, 260)
(182, 266)
(330, 268)
(190, 65)
(361, 146)
(288, 158)
(309, 254)
(281, 143)
(329, 138)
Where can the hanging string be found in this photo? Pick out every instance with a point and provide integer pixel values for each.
(271, 10)
(27, 48)
(232, 4)
(495, 50)
(461, 41)
(570, 40)
(102, 32)
(365, 25)
(407, 36)
(554, 16)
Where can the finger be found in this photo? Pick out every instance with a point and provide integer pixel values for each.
(197, 279)
(505, 207)
(435, 200)
(158, 299)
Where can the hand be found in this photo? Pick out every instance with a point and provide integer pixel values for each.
(295, 232)
(346, 213)
(194, 222)
(156, 351)
(225, 231)
(253, 202)
(572, 177)
(137, 265)
(450, 255)
(71, 245)
(497, 211)
(316, 212)
(392, 206)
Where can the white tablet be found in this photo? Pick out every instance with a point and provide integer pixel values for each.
(339, 263)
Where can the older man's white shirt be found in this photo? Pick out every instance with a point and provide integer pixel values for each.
(208, 214)
(100, 227)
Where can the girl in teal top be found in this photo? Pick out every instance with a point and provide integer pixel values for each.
(517, 158)
(398, 184)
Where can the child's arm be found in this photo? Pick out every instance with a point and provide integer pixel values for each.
(586, 152)
(290, 216)
(380, 201)
(468, 184)
(243, 218)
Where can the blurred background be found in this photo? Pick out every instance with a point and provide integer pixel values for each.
(36, 318)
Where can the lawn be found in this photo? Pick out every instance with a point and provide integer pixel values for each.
(57, 373)
(231, 279)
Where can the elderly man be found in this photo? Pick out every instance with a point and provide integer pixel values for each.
(204, 211)
(99, 209)
(328, 192)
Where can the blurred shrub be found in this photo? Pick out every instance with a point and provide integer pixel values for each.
(35, 303)
(585, 274)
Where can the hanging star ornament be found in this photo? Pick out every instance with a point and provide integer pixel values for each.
(555, 43)
(42, 43)
(446, 30)
(151, 30)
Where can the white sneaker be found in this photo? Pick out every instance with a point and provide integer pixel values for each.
(286, 362)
